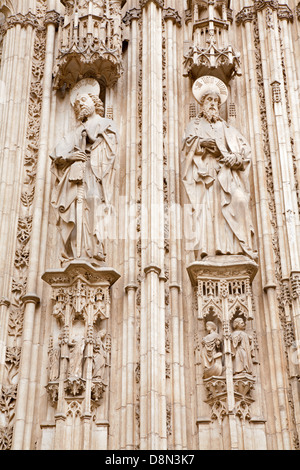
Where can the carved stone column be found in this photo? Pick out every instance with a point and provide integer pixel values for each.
(79, 356)
(153, 433)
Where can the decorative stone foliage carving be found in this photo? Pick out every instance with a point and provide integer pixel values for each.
(23, 20)
(24, 226)
(248, 13)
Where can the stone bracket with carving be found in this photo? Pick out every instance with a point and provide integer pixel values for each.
(79, 349)
(223, 286)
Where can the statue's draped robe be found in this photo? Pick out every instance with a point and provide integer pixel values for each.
(211, 355)
(242, 352)
(219, 195)
(98, 182)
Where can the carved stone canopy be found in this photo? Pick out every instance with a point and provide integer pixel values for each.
(66, 276)
(90, 43)
(210, 52)
(219, 266)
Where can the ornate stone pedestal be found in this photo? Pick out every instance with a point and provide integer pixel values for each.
(223, 286)
(79, 354)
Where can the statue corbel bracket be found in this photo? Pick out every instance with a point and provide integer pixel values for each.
(84, 289)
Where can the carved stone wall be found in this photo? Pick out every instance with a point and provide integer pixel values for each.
(157, 346)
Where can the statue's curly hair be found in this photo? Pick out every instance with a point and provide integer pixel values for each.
(99, 106)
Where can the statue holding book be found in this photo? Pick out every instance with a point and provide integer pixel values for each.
(84, 165)
(216, 178)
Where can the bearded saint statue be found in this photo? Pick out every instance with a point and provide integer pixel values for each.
(216, 178)
(83, 163)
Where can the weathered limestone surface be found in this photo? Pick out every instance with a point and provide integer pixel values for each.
(149, 224)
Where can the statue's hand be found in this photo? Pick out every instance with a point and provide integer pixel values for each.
(234, 161)
(78, 156)
(211, 146)
(229, 160)
(208, 143)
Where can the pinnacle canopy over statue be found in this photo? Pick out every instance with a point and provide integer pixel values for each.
(216, 169)
(84, 165)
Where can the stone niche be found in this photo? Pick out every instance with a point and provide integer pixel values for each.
(226, 351)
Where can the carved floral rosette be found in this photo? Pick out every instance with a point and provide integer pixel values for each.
(223, 286)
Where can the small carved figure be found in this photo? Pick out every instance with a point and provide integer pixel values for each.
(76, 357)
(83, 163)
(216, 178)
(212, 352)
(243, 348)
(99, 358)
(54, 363)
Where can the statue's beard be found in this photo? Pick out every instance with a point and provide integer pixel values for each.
(84, 112)
(211, 115)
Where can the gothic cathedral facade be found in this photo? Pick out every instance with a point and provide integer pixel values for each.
(149, 220)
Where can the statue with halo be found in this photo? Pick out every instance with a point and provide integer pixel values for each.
(84, 164)
(216, 178)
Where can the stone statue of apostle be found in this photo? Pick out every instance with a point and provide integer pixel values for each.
(216, 178)
(83, 163)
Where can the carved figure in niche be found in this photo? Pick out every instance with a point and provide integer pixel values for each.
(242, 348)
(83, 163)
(76, 346)
(216, 178)
(54, 363)
(212, 352)
(99, 358)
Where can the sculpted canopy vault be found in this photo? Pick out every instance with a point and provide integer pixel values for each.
(89, 42)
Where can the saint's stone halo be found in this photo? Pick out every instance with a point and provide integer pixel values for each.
(86, 85)
(208, 83)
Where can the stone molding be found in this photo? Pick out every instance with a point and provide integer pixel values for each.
(172, 14)
(168, 13)
(248, 13)
(159, 3)
(28, 19)
(132, 14)
(53, 17)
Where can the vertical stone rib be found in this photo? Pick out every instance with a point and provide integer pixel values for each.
(153, 387)
(22, 414)
(264, 151)
(127, 428)
(178, 387)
